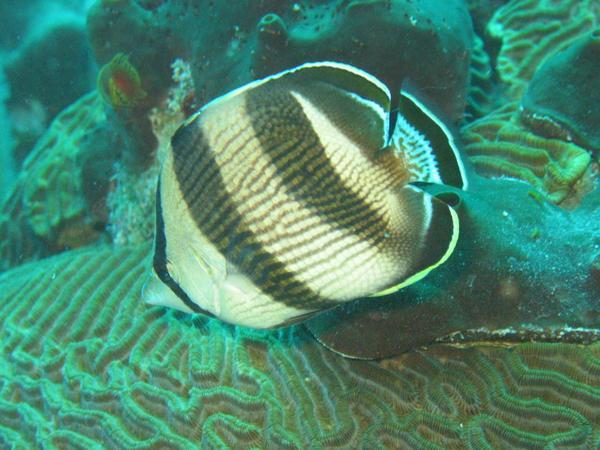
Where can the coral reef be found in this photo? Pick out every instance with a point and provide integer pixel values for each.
(78, 182)
(85, 363)
(132, 205)
(6, 162)
(482, 95)
(562, 98)
(34, 71)
(51, 200)
(389, 38)
(482, 11)
(499, 145)
(121, 88)
(530, 31)
(148, 36)
(19, 244)
(52, 191)
(386, 38)
(119, 83)
(259, 38)
(132, 202)
(20, 19)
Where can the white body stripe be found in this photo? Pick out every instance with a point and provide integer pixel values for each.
(341, 150)
(203, 273)
(320, 241)
(382, 113)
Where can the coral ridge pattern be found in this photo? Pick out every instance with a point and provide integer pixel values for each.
(85, 364)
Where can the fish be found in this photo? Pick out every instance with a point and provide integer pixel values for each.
(296, 193)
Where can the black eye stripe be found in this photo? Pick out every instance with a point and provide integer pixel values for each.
(160, 260)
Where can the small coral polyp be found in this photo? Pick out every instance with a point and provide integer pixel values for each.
(120, 84)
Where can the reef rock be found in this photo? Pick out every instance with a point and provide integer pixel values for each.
(390, 39)
(530, 31)
(230, 44)
(563, 98)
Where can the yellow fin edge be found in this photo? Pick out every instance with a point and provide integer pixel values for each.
(423, 273)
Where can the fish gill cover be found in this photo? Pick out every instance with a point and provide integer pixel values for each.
(86, 363)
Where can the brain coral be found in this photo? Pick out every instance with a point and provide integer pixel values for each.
(239, 41)
(530, 31)
(48, 201)
(499, 145)
(482, 94)
(84, 364)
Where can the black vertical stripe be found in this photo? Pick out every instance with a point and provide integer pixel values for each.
(271, 111)
(216, 216)
(160, 260)
(437, 238)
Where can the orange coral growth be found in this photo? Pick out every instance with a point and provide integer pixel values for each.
(119, 83)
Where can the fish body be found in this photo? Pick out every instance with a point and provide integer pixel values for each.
(290, 196)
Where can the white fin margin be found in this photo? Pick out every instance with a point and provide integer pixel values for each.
(253, 84)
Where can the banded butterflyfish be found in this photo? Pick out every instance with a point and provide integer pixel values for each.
(292, 194)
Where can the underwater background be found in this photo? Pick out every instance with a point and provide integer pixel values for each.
(498, 348)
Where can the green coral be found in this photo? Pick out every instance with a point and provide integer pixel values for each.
(481, 97)
(85, 363)
(530, 31)
(499, 145)
(48, 203)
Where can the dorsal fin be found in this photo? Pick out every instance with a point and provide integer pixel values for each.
(354, 100)
(432, 153)
(356, 103)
